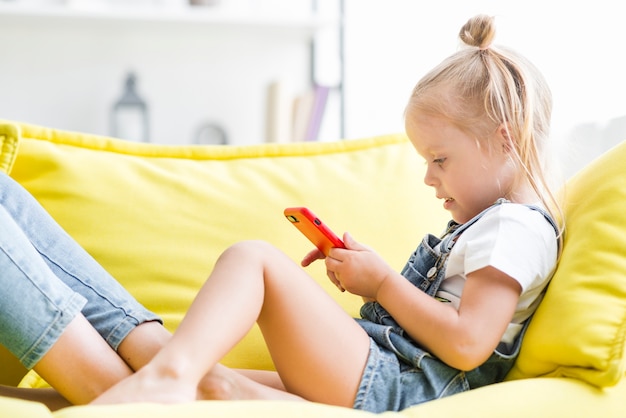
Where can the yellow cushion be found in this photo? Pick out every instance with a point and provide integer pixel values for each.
(157, 217)
(17, 408)
(8, 146)
(219, 409)
(528, 398)
(579, 328)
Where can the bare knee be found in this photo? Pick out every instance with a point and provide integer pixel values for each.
(257, 262)
(251, 250)
(251, 245)
(256, 259)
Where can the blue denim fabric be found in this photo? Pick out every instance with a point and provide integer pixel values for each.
(399, 373)
(47, 279)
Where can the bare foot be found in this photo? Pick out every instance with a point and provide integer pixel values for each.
(217, 386)
(147, 385)
(223, 383)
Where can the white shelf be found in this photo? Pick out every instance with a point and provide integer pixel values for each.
(194, 15)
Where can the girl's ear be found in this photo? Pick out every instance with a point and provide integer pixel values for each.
(503, 134)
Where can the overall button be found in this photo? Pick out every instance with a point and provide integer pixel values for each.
(431, 273)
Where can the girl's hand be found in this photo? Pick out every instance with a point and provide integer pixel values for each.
(311, 257)
(357, 269)
(318, 255)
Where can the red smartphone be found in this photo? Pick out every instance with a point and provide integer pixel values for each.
(313, 228)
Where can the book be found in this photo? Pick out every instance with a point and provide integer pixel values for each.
(302, 111)
(294, 119)
(278, 113)
(320, 98)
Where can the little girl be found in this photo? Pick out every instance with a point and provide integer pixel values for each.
(453, 319)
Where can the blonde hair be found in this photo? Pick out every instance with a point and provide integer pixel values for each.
(482, 87)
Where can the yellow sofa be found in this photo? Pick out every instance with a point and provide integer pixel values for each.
(158, 216)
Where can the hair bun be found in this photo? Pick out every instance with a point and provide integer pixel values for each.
(479, 31)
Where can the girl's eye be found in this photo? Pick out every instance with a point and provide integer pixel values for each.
(439, 161)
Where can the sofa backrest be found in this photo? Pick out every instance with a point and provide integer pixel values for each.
(157, 217)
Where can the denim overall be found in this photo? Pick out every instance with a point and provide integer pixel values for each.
(421, 376)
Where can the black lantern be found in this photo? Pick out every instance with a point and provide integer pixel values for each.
(129, 116)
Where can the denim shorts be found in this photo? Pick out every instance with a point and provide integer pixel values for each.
(390, 384)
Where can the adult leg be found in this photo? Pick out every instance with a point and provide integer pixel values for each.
(319, 351)
(81, 365)
(111, 310)
(41, 323)
(47, 280)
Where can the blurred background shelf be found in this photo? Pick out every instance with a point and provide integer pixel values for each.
(65, 63)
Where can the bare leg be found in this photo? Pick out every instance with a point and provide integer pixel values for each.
(103, 368)
(319, 351)
(92, 358)
(94, 365)
(222, 383)
(147, 339)
(264, 377)
(142, 343)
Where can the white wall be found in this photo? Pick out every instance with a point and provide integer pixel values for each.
(578, 45)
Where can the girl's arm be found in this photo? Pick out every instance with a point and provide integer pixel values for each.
(463, 339)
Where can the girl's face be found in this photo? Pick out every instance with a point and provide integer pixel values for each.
(467, 176)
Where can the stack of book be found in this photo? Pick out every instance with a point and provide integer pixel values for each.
(295, 119)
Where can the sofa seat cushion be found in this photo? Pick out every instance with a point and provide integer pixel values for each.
(17, 408)
(580, 327)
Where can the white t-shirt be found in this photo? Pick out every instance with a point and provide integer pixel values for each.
(514, 239)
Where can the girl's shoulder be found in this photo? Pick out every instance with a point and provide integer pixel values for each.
(524, 213)
(504, 214)
(515, 220)
(514, 238)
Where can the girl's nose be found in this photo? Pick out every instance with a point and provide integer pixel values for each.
(429, 178)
